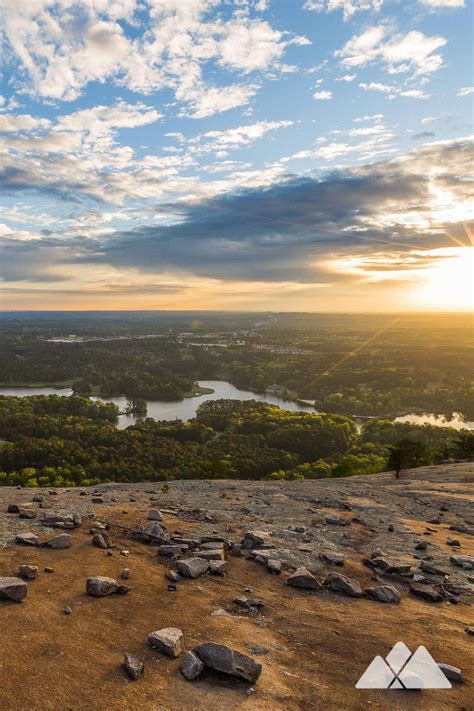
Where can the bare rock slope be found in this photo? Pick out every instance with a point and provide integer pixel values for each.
(262, 595)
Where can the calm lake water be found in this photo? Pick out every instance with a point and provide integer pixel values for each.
(186, 409)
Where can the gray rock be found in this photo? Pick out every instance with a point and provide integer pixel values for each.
(426, 592)
(154, 529)
(191, 666)
(391, 567)
(463, 561)
(99, 541)
(334, 520)
(38, 498)
(125, 574)
(99, 586)
(172, 575)
(133, 666)
(27, 513)
(453, 542)
(13, 589)
(217, 567)
(170, 549)
(342, 584)
(13, 508)
(421, 545)
(215, 554)
(154, 515)
(274, 566)
(61, 541)
(221, 658)
(192, 567)
(98, 500)
(28, 572)
(383, 593)
(27, 538)
(254, 539)
(167, 640)
(302, 578)
(452, 673)
(333, 558)
(248, 602)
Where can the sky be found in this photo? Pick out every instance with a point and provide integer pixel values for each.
(266, 155)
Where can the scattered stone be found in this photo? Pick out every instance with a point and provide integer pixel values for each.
(48, 569)
(215, 554)
(99, 541)
(221, 658)
(333, 558)
(254, 539)
(217, 567)
(425, 592)
(274, 566)
(154, 515)
(172, 575)
(297, 529)
(133, 666)
(433, 519)
(125, 574)
(383, 593)
(390, 567)
(27, 538)
(390, 528)
(453, 542)
(38, 498)
(13, 589)
(334, 520)
(99, 586)
(27, 513)
(452, 673)
(463, 561)
(167, 640)
(342, 584)
(421, 545)
(67, 611)
(61, 541)
(28, 572)
(13, 508)
(469, 631)
(302, 578)
(257, 649)
(248, 602)
(98, 500)
(170, 549)
(192, 567)
(191, 666)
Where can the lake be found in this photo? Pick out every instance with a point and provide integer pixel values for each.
(186, 409)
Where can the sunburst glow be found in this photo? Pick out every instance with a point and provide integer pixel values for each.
(449, 285)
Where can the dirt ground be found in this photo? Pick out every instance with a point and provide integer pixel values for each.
(318, 643)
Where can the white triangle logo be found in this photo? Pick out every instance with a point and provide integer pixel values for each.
(402, 670)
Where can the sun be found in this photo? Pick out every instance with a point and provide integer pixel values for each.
(449, 284)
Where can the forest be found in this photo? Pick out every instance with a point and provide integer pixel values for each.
(370, 366)
(72, 441)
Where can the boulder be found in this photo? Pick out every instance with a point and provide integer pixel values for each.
(215, 554)
(27, 538)
(452, 673)
(191, 666)
(192, 567)
(99, 586)
(13, 589)
(217, 567)
(170, 549)
(333, 558)
(221, 658)
(61, 541)
(254, 539)
(463, 561)
(27, 513)
(154, 515)
(274, 566)
(28, 572)
(133, 666)
(426, 592)
(13, 508)
(167, 640)
(302, 578)
(99, 541)
(383, 593)
(342, 584)
(155, 530)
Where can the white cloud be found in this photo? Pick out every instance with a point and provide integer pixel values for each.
(233, 138)
(347, 77)
(465, 91)
(16, 123)
(348, 7)
(63, 45)
(324, 95)
(400, 53)
(392, 91)
(443, 3)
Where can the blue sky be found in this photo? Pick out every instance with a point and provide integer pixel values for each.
(255, 154)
